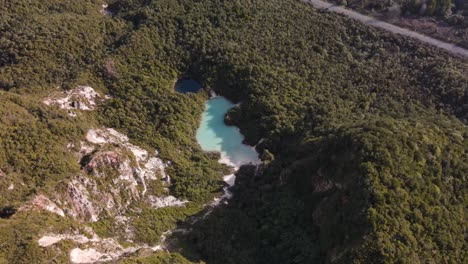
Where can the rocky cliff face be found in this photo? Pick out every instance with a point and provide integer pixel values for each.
(115, 174)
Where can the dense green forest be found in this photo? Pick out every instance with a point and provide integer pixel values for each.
(362, 133)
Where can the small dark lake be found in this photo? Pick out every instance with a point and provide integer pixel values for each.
(187, 86)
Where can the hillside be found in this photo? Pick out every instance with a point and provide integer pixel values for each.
(362, 135)
(446, 20)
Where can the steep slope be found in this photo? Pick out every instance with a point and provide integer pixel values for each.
(362, 136)
(446, 20)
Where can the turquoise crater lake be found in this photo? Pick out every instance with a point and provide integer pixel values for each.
(214, 135)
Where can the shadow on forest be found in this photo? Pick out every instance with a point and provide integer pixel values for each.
(7, 212)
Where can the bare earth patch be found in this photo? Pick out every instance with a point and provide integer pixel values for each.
(433, 27)
(82, 98)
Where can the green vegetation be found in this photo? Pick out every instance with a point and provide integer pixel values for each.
(150, 224)
(32, 147)
(443, 8)
(19, 236)
(159, 258)
(442, 19)
(361, 132)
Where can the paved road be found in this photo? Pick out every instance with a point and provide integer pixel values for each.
(387, 26)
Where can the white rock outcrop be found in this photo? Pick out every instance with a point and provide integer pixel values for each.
(52, 239)
(83, 98)
(148, 165)
(114, 174)
(89, 255)
(160, 202)
(43, 203)
(104, 10)
(78, 201)
(127, 168)
(94, 249)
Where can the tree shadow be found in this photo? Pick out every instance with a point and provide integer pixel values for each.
(7, 212)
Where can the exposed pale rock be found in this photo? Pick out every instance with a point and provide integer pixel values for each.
(96, 137)
(105, 11)
(101, 162)
(103, 251)
(95, 249)
(47, 241)
(85, 200)
(51, 239)
(148, 166)
(125, 169)
(224, 159)
(153, 167)
(11, 187)
(100, 250)
(89, 255)
(139, 153)
(230, 180)
(78, 198)
(81, 98)
(128, 229)
(44, 203)
(85, 148)
(102, 159)
(167, 179)
(160, 202)
(157, 248)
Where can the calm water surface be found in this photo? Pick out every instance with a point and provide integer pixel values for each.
(187, 86)
(214, 135)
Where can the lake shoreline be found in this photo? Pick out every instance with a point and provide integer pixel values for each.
(214, 136)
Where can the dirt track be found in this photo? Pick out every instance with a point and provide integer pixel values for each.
(389, 27)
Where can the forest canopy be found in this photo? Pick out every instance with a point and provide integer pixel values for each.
(362, 133)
